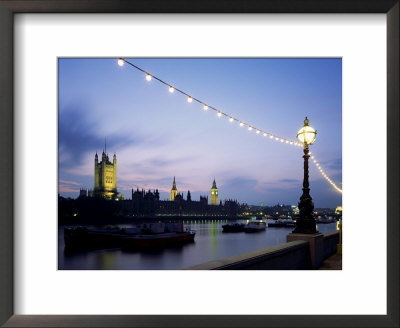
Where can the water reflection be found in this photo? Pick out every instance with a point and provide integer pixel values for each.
(106, 260)
(209, 244)
(214, 228)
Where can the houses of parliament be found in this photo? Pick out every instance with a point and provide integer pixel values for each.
(144, 203)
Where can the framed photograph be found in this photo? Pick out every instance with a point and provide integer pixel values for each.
(159, 82)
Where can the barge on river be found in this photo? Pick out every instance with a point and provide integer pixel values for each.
(233, 227)
(282, 223)
(255, 226)
(147, 235)
(157, 240)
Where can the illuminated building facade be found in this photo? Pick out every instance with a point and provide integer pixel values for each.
(105, 176)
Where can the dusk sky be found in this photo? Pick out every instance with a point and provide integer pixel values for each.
(157, 135)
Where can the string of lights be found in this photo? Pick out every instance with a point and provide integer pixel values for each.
(320, 169)
(206, 106)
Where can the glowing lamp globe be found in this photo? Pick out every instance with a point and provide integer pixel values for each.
(306, 134)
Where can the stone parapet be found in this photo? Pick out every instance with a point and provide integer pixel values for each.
(316, 246)
(301, 252)
(289, 256)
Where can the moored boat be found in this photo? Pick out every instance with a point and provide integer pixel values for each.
(255, 226)
(157, 234)
(233, 227)
(86, 238)
(157, 240)
(282, 223)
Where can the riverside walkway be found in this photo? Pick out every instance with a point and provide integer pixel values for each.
(333, 262)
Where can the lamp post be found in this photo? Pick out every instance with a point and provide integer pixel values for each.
(306, 224)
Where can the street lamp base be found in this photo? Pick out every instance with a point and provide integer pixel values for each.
(306, 226)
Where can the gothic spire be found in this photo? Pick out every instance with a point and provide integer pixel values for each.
(174, 184)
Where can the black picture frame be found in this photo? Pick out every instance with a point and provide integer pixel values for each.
(7, 10)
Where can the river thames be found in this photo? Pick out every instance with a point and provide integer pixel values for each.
(210, 244)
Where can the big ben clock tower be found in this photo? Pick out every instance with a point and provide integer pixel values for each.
(214, 194)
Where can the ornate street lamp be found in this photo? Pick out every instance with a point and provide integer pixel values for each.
(306, 223)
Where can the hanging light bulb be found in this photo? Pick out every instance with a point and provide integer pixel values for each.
(271, 136)
(231, 119)
(205, 107)
(148, 77)
(171, 89)
(120, 62)
(264, 134)
(250, 128)
(219, 114)
(190, 99)
(258, 131)
(241, 124)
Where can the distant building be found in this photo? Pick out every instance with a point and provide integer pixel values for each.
(204, 199)
(214, 194)
(144, 203)
(174, 191)
(148, 203)
(105, 176)
(83, 193)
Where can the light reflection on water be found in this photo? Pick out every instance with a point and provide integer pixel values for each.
(210, 244)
